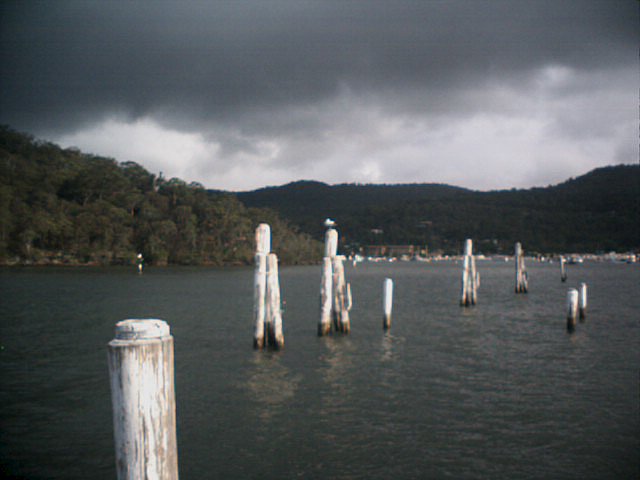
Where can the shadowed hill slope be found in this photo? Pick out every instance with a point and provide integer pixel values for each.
(598, 211)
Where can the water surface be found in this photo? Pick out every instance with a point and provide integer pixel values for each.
(499, 390)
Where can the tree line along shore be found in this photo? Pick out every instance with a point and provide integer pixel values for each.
(65, 207)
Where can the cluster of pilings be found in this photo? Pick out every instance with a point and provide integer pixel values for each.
(576, 306)
(335, 292)
(576, 298)
(141, 366)
(267, 313)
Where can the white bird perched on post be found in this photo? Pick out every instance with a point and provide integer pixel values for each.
(329, 223)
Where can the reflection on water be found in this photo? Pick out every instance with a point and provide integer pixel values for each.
(337, 361)
(336, 368)
(270, 384)
(390, 345)
(387, 347)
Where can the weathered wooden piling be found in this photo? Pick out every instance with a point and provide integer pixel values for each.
(340, 300)
(143, 398)
(345, 320)
(387, 303)
(275, 337)
(331, 243)
(465, 297)
(259, 296)
(470, 277)
(326, 297)
(563, 269)
(266, 292)
(522, 278)
(572, 309)
(263, 238)
(335, 292)
(475, 279)
(583, 301)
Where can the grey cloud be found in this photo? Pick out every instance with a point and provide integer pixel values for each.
(273, 91)
(68, 62)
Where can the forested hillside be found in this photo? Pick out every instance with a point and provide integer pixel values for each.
(62, 206)
(595, 212)
(65, 207)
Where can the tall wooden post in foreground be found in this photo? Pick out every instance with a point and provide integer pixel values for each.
(470, 278)
(143, 399)
(522, 279)
(387, 303)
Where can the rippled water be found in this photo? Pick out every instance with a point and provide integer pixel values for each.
(500, 390)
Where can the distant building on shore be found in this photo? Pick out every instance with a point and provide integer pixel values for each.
(394, 250)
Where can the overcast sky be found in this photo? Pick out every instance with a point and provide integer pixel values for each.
(242, 94)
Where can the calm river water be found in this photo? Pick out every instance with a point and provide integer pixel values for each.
(500, 390)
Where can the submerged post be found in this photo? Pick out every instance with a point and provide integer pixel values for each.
(274, 315)
(572, 309)
(583, 301)
(522, 284)
(263, 247)
(387, 303)
(143, 398)
(563, 270)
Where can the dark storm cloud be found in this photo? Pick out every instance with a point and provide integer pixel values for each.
(70, 61)
(237, 94)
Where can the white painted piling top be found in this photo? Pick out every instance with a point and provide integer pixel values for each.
(263, 238)
(331, 243)
(272, 262)
(468, 247)
(142, 329)
(518, 248)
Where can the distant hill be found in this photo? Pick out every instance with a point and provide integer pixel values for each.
(61, 206)
(598, 211)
